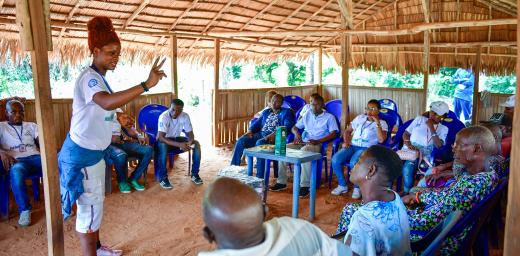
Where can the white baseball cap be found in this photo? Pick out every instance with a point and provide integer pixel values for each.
(509, 103)
(440, 107)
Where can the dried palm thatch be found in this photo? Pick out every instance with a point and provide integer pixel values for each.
(146, 25)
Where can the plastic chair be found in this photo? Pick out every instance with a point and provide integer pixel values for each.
(109, 166)
(388, 104)
(391, 118)
(430, 244)
(397, 140)
(334, 107)
(445, 153)
(4, 190)
(295, 102)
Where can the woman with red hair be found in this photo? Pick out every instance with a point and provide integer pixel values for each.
(81, 164)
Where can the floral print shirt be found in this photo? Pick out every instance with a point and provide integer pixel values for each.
(270, 124)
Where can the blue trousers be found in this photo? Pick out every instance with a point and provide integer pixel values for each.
(246, 142)
(464, 107)
(162, 153)
(23, 168)
(119, 153)
(409, 168)
(351, 155)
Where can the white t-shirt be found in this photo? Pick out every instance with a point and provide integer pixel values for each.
(116, 128)
(316, 127)
(289, 236)
(91, 126)
(365, 132)
(173, 127)
(304, 110)
(380, 228)
(10, 139)
(421, 135)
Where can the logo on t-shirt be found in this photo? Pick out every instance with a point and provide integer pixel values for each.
(92, 83)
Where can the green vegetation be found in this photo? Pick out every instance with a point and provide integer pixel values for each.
(296, 74)
(264, 73)
(235, 70)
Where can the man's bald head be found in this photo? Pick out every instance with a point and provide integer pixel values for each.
(234, 214)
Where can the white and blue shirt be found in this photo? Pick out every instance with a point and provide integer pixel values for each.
(18, 140)
(365, 131)
(173, 127)
(380, 228)
(421, 136)
(316, 126)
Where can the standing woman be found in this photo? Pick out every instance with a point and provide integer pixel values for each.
(81, 164)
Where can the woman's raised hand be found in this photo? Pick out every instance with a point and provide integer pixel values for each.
(156, 74)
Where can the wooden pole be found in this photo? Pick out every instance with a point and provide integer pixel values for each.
(45, 120)
(216, 96)
(175, 78)
(476, 98)
(512, 230)
(345, 57)
(320, 71)
(426, 67)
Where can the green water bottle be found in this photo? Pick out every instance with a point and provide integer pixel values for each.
(280, 141)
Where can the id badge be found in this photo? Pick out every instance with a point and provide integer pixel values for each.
(22, 148)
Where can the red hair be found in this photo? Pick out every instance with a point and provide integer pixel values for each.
(101, 32)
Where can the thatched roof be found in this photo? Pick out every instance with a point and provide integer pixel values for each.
(144, 26)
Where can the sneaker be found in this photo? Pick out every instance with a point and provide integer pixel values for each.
(196, 179)
(165, 183)
(105, 251)
(124, 188)
(25, 218)
(304, 192)
(339, 190)
(135, 184)
(278, 187)
(356, 194)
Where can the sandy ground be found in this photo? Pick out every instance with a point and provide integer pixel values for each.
(156, 221)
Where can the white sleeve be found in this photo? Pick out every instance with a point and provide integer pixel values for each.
(442, 131)
(299, 123)
(163, 124)
(412, 126)
(332, 125)
(34, 128)
(187, 124)
(92, 84)
(356, 122)
(384, 125)
(362, 235)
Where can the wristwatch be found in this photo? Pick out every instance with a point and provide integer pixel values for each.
(143, 84)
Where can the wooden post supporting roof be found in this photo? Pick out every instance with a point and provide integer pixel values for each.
(216, 96)
(320, 71)
(42, 91)
(175, 78)
(476, 98)
(426, 67)
(512, 230)
(345, 59)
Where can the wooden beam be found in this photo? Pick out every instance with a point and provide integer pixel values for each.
(433, 45)
(489, 27)
(345, 59)
(432, 53)
(71, 14)
(330, 32)
(260, 13)
(369, 8)
(512, 229)
(175, 78)
(457, 29)
(427, 18)
(499, 7)
(310, 18)
(345, 7)
(216, 96)
(426, 67)
(46, 137)
(320, 68)
(178, 19)
(375, 13)
(136, 13)
(1, 3)
(476, 98)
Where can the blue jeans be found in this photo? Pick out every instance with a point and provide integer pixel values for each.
(162, 152)
(350, 154)
(119, 154)
(246, 142)
(409, 168)
(464, 107)
(23, 168)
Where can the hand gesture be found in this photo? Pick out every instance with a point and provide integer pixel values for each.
(156, 73)
(298, 139)
(429, 123)
(374, 118)
(314, 142)
(185, 146)
(270, 138)
(345, 144)
(143, 140)
(408, 199)
(7, 160)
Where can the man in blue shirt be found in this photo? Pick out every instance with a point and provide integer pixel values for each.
(262, 131)
(318, 127)
(463, 102)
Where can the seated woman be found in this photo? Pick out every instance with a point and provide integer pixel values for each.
(379, 226)
(472, 147)
(424, 133)
(364, 131)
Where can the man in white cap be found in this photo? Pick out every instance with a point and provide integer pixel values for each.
(509, 106)
(507, 125)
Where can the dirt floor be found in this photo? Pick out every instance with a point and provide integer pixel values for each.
(156, 221)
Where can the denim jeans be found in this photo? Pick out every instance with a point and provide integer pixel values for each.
(162, 152)
(463, 107)
(305, 177)
(350, 154)
(409, 168)
(119, 154)
(246, 142)
(24, 167)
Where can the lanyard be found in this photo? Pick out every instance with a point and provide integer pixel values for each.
(427, 134)
(363, 127)
(21, 132)
(103, 77)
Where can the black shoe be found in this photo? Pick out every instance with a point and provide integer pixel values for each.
(278, 187)
(165, 183)
(304, 192)
(196, 179)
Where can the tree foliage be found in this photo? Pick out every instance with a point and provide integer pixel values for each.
(235, 70)
(296, 74)
(264, 72)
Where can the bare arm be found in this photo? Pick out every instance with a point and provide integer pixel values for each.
(191, 137)
(347, 136)
(406, 140)
(162, 138)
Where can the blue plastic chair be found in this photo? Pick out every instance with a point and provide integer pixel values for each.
(388, 104)
(391, 118)
(4, 190)
(445, 153)
(295, 102)
(430, 244)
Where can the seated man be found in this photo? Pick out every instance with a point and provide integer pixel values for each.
(263, 129)
(268, 95)
(308, 107)
(171, 123)
(126, 141)
(319, 126)
(19, 155)
(234, 217)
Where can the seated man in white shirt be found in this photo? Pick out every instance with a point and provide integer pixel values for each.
(171, 123)
(234, 217)
(319, 126)
(308, 107)
(19, 155)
